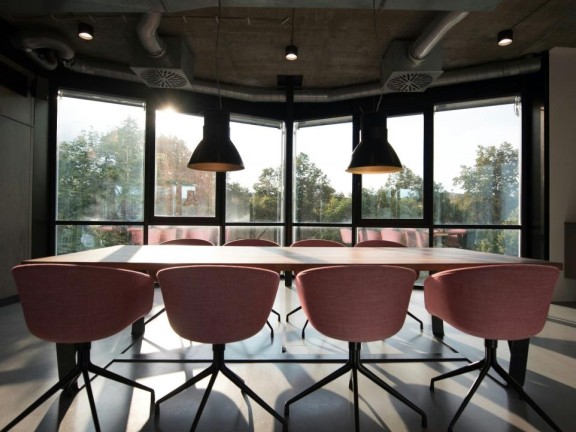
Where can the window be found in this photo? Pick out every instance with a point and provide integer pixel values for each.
(181, 191)
(322, 187)
(100, 170)
(255, 194)
(399, 195)
(477, 175)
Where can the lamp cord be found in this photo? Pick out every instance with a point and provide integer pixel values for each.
(377, 40)
(216, 65)
(292, 36)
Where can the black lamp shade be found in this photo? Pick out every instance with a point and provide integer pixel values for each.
(505, 37)
(85, 31)
(374, 154)
(291, 52)
(216, 152)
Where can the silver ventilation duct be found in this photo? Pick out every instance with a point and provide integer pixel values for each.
(161, 63)
(413, 67)
(172, 70)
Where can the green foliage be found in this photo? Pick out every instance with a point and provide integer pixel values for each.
(100, 175)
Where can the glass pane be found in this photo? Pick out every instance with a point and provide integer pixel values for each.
(477, 165)
(504, 242)
(399, 195)
(181, 191)
(413, 237)
(322, 187)
(325, 233)
(254, 194)
(161, 233)
(100, 161)
(75, 238)
(273, 233)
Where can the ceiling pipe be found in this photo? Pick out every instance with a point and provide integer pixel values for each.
(46, 49)
(149, 39)
(434, 33)
(252, 94)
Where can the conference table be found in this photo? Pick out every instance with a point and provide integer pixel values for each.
(152, 258)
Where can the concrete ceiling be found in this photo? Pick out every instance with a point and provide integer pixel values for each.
(341, 43)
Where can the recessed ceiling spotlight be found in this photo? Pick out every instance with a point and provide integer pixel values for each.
(85, 31)
(505, 37)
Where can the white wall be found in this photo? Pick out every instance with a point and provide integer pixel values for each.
(562, 134)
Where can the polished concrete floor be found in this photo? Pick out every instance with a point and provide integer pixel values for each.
(27, 368)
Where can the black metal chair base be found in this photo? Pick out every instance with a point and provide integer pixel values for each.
(414, 317)
(490, 361)
(83, 367)
(354, 364)
(218, 365)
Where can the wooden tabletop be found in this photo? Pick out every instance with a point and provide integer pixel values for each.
(154, 257)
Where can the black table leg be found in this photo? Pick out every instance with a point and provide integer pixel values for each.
(138, 327)
(437, 327)
(518, 359)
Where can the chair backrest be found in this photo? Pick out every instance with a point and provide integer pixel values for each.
(217, 304)
(316, 243)
(251, 242)
(356, 303)
(500, 302)
(393, 235)
(379, 243)
(74, 303)
(188, 242)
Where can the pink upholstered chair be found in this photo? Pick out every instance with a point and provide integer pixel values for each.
(356, 304)
(496, 302)
(310, 243)
(180, 242)
(72, 304)
(256, 242)
(188, 242)
(218, 305)
(388, 243)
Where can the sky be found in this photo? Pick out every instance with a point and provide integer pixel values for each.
(458, 133)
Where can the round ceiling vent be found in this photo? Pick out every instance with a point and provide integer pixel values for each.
(163, 78)
(409, 82)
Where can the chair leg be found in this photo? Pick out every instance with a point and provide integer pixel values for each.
(490, 360)
(271, 330)
(304, 329)
(355, 393)
(468, 368)
(71, 377)
(204, 400)
(355, 366)
(372, 377)
(277, 314)
(206, 372)
(512, 383)
(473, 388)
(218, 365)
(411, 315)
(91, 399)
(156, 315)
(336, 374)
(291, 312)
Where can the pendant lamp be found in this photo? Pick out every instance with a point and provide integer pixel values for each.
(216, 152)
(374, 154)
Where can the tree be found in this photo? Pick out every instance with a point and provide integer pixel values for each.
(490, 186)
(313, 191)
(181, 191)
(399, 198)
(266, 201)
